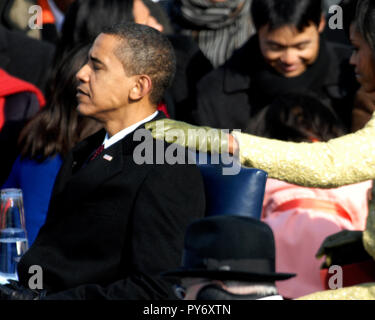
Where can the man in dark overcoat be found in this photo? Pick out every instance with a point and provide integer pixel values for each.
(114, 222)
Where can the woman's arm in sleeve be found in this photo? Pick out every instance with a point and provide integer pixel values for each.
(345, 160)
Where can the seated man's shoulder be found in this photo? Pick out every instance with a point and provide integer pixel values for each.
(170, 168)
(172, 156)
(161, 156)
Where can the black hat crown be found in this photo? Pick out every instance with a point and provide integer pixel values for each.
(231, 248)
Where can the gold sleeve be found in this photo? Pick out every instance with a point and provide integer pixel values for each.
(345, 160)
(369, 234)
(359, 292)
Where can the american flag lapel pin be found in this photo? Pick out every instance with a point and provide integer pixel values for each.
(107, 157)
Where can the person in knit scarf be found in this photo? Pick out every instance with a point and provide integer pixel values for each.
(219, 27)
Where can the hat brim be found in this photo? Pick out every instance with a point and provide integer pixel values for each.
(227, 275)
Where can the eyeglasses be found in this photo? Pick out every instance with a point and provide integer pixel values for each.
(181, 290)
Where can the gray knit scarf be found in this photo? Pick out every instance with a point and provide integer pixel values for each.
(219, 28)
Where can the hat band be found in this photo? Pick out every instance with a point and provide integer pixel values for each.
(190, 260)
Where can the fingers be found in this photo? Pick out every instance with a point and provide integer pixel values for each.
(5, 293)
(156, 128)
(12, 284)
(150, 125)
(161, 129)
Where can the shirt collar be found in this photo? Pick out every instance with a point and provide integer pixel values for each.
(57, 13)
(276, 297)
(124, 132)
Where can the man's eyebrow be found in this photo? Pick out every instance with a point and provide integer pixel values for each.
(271, 42)
(302, 43)
(274, 43)
(94, 59)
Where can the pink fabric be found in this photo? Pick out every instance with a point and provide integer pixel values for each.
(300, 232)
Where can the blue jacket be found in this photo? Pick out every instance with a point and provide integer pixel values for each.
(36, 181)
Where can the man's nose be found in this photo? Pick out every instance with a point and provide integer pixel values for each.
(289, 57)
(83, 74)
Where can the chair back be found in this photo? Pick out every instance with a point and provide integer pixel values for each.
(241, 194)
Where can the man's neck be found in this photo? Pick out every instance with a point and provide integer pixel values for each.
(128, 118)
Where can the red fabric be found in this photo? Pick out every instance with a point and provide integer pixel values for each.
(163, 107)
(48, 17)
(97, 152)
(353, 274)
(10, 85)
(315, 204)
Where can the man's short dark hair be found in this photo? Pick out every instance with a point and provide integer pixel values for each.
(279, 13)
(144, 50)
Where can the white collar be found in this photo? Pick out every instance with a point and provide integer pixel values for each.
(124, 132)
(276, 297)
(58, 14)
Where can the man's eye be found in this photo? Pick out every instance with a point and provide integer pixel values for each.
(275, 47)
(355, 49)
(302, 46)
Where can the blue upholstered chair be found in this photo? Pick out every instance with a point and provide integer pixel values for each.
(241, 194)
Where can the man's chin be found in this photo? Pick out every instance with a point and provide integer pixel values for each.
(81, 109)
(292, 73)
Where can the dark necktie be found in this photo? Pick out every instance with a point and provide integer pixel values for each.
(97, 152)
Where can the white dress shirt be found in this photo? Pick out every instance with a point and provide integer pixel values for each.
(124, 132)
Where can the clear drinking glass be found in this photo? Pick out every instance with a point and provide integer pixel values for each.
(13, 236)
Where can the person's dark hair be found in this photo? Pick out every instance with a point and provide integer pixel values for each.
(279, 13)
(365, 21)
(58, 127)
(298, 118)
(150, 53)
(86, 19)
(349, 12)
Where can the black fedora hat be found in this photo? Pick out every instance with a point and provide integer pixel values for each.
(229, 248)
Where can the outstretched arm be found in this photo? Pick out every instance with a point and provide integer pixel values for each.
(345, 160)
(341, 161)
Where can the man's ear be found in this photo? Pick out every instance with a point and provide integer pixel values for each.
(322, 24)
(142, 87)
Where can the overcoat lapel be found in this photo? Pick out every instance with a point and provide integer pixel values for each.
(94, 173)
(77, 176)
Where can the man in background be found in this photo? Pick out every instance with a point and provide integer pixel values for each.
(228, 258)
